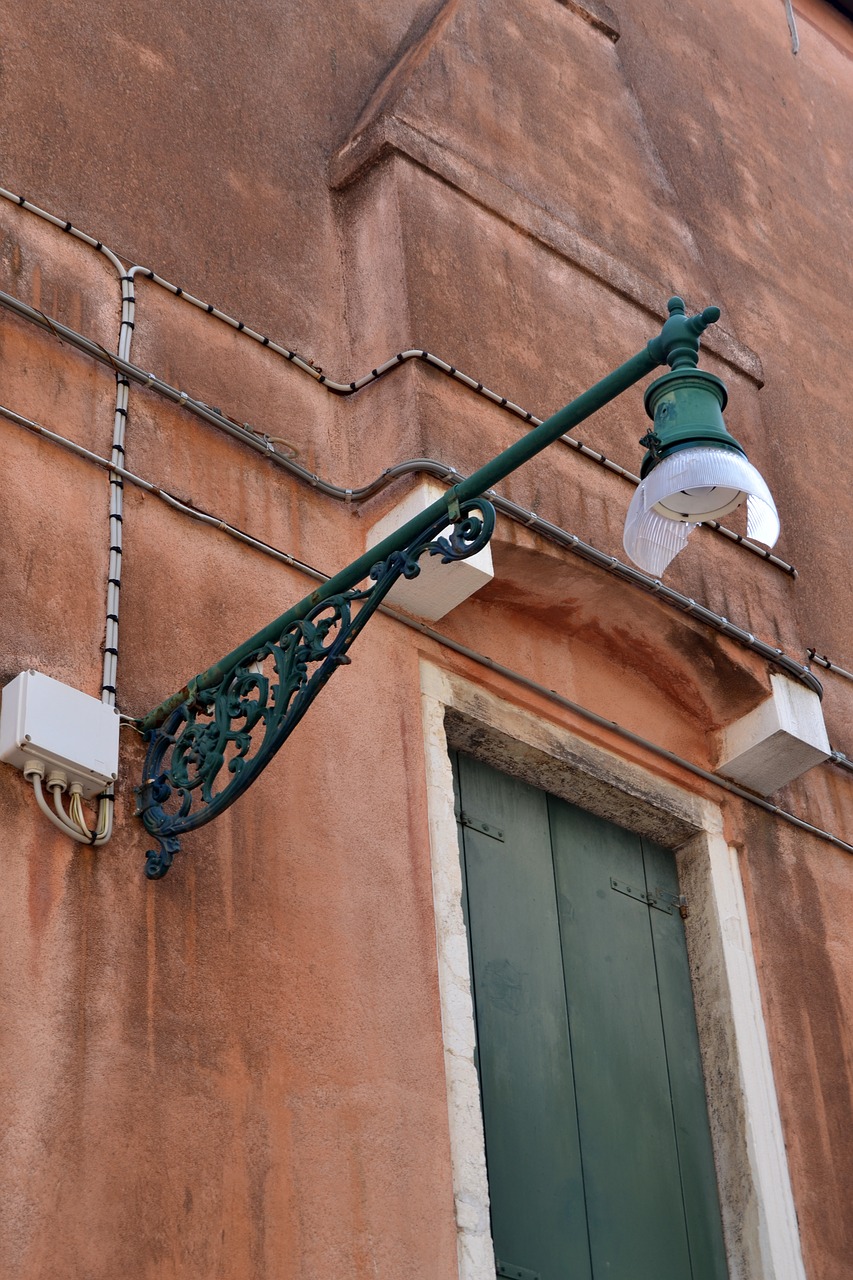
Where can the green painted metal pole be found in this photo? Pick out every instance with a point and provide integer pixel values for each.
(639, 366)
(677, 345)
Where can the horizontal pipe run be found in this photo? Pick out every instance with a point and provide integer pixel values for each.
(476, 485)
(202, 517)
(552, 532)
(837, 757)
(610, 563)
(264, 445)
(825, 662)
(841, 760)
(628, 735)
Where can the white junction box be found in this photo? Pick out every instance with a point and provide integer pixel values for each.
(69, 732)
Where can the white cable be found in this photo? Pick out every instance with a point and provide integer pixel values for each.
(108, 678)
(56, 789)
(73, 818)
(104, 825)
(551, 531)
(75, 810)
(792, 27)
(35, 777)
(105, 819)
(63, 226)
(74, 825)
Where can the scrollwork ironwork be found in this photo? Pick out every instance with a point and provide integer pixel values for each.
(213, 746)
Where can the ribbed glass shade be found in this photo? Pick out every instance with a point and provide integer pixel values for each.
(686, 488)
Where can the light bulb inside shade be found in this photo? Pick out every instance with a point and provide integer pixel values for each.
(686, 488)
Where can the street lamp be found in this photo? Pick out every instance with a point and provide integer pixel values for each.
(210, 740)
(693, 470)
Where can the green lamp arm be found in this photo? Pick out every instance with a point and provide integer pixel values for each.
(212, 738)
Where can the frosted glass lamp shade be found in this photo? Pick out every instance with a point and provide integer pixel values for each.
(687, 487)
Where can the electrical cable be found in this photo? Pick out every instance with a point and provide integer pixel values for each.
(440, 639)
(611, 725)
(792, 27)
(823, 661)
(35, 778)
(100, 834)
(77, 816)
(554, 533)
(63, 225)
(76, 828)
(347, 388)
(121, 365)
(841, 760)
(262, 442)
(126, 329)
(110, 659)
(74, 820)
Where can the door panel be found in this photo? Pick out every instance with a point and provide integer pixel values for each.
(597, 1144)
(696, 1157)
(535, 1184)
(630, 1162)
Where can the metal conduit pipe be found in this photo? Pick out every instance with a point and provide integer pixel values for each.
(823, 661)
(348, 388)
(415, 353)
(445, 641)
(63, 225)
(427, 357)
(611, 725)
(554, 532)
(116, 512)
(426, 466)
(147, 486)
(414, 466)
(836, 757)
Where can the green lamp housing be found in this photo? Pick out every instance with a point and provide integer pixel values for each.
(686, 406)
(694, 471)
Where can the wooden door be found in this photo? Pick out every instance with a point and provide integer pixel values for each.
(597, 1144)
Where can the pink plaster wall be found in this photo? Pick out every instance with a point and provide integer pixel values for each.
(238, 1072)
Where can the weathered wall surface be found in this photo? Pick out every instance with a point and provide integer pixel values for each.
(238, 1071)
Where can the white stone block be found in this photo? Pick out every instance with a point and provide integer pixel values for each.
(777, 741)
(438, 588)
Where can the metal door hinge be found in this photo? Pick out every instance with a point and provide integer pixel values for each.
(674, 900)
(485, 828)
(507, 1271)
(659, 898)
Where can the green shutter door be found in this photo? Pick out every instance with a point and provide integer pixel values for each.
(696, 1159)
(597, 1141)
(535, 1184)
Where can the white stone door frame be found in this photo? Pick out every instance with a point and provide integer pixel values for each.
(759, 1218)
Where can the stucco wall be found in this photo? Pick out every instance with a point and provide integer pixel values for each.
(239, 1071)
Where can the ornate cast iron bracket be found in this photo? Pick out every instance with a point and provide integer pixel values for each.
(214, 744)
(210, 740)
